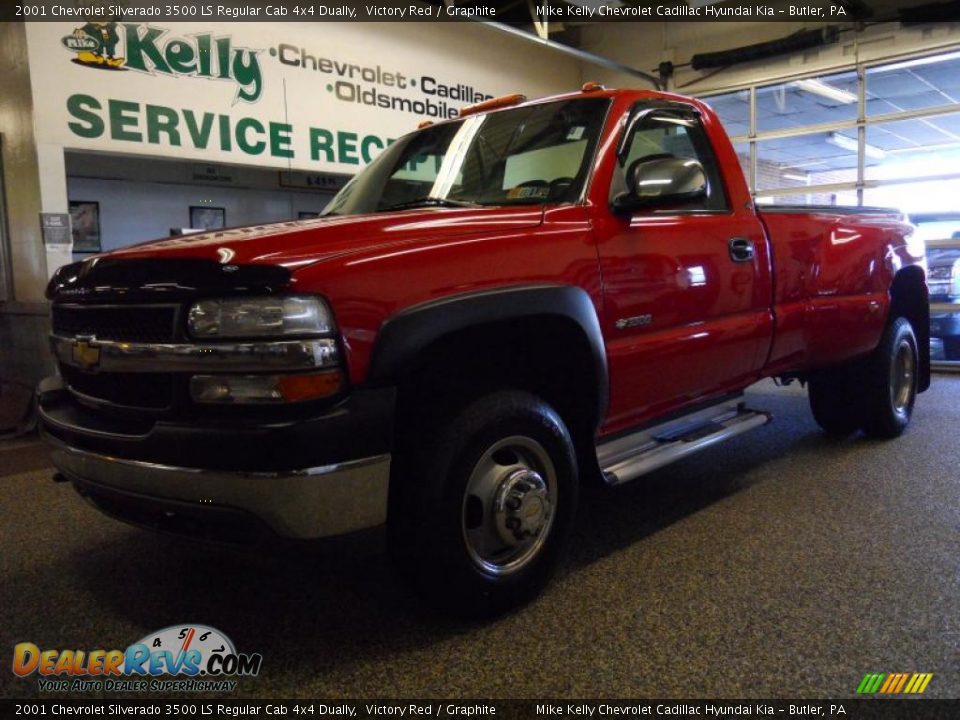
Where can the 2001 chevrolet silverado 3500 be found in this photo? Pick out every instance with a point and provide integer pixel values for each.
(498, 308)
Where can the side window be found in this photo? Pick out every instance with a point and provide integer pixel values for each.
(672, 135)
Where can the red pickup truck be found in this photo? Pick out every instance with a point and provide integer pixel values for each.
(500, 307)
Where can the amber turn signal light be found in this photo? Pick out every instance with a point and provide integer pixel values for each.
(297, 388)
(493, 104)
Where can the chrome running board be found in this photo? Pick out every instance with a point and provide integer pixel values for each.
(627, 458)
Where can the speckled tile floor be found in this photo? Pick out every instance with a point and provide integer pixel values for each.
(781, 564)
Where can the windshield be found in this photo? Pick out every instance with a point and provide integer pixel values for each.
(521, 156)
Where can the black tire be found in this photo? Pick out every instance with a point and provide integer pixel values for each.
(447, 538)
(861, 395)
(836, 405)
(890, 382)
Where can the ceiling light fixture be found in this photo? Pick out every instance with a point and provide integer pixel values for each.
(916, 62)
(926, 148)
(849, 143)
(818, 87)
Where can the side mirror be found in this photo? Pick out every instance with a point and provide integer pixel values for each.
(662, 180)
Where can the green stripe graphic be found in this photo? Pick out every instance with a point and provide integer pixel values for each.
(871, 683)
(878, 683)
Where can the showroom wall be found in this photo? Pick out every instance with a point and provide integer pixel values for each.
(319, 97)
(25, 271)
(23, 323)
(133, 212)
(141, 199)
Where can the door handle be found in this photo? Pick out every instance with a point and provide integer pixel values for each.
(741, 249)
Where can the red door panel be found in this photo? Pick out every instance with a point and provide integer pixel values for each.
(681, 318)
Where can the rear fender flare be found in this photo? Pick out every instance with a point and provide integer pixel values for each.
(909, 298)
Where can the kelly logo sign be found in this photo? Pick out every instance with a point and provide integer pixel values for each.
(153, 50)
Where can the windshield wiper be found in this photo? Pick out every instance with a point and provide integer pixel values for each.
(429, 201)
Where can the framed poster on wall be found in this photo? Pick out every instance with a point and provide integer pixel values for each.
(85, 224)
(207, 218)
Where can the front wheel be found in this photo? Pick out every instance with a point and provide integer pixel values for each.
(488, 504)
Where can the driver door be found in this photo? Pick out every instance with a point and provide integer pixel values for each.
(686, 314)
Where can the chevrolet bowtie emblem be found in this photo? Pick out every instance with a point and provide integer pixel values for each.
(85, 354)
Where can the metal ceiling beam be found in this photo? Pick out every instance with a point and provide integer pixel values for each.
(541, 26)
(575, 52)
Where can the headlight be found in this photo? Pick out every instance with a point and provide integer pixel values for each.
(284, 316)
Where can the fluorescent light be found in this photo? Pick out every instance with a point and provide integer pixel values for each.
(842, 141)
(849, 143)
(926, 148)
(872, 151)
(818, 87)
(916, 62)
(791, 176)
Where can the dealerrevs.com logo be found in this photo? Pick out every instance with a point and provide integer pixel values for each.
(198, 657)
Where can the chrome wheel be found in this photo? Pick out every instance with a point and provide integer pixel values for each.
(903, 377)
(509, 505)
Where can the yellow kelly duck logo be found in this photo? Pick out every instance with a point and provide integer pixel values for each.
(96, 45)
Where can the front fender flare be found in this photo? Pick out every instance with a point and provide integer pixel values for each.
(405, 335)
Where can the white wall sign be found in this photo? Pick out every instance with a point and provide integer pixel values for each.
(324, 97)
(55, 228)
(213, 174)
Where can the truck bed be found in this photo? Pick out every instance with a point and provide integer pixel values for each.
(832, 269)
(828, 210)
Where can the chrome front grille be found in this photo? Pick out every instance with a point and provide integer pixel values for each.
(115, 324)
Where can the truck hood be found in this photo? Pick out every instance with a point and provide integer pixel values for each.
(297, 243)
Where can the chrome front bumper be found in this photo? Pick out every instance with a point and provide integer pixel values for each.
(305, 504)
